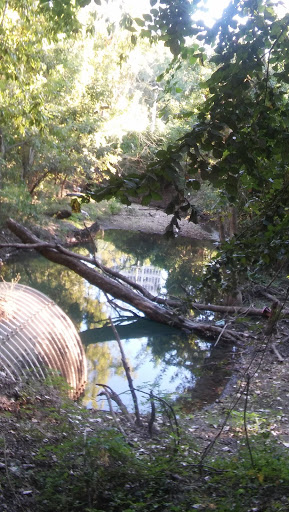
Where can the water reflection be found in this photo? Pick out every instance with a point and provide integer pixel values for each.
(159, 357)
(152, 278)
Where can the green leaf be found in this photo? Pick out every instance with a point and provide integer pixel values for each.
(156, 196)
(145, 33)
(146, 200)
(139, 22)
(161, 154)
(147, 17)
(194, 184)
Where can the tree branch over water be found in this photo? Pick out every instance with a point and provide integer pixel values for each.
(156, 309)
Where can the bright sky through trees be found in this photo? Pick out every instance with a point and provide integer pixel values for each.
(214, 9)
(210, 10)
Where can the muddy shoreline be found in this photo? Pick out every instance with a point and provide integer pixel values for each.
(151, 220)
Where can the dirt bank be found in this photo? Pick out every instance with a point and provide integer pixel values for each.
(150, 220)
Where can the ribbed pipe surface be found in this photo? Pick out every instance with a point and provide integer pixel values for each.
(37, 336)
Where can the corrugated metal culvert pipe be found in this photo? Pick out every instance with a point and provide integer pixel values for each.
(36, 336)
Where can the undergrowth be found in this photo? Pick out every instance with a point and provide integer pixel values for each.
(56, 456)
(105, 474)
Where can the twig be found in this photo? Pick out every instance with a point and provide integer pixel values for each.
(128, 375)
(277, 353)
(153, 415)
(115, 397)
(119, 427)
(245, 420)
(220, 335)
(171, 413)
(276, 274)
(118, 307)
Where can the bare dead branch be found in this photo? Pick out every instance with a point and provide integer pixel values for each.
(118, 426)
(116, 398)
(128, 375)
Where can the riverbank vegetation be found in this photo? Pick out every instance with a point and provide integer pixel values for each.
(56, 455)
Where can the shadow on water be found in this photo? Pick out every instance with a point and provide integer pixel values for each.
(183, 367)
(200, 370)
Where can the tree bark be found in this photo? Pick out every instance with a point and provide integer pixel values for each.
(124, 293)
(38, 181)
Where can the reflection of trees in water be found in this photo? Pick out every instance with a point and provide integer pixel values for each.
(210, 367)
(66, 288)
(179, 351)
(213, 377)
(99, 360)
(182, 258)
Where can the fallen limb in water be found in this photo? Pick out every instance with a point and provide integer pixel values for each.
(126, 291)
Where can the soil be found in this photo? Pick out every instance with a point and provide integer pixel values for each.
(150, 220)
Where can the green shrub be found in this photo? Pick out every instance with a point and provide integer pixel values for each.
(238, 486)
(16, 202)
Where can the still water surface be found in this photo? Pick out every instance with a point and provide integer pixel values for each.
(181, 366)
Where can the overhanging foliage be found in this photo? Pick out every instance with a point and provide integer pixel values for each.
(239, 142)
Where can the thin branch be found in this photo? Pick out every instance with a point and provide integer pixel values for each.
(128, 375)
(39, 245)
(277, 353)
(277, 273)
(245, 420)
(39, 180)
(118, 307)
(116, 398)
(220, 335)
(119, 427)
(4, 12)
(153, 415)
(172, 413)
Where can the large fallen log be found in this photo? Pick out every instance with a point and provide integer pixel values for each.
(119, 291)
(122, 288)
(172, 303)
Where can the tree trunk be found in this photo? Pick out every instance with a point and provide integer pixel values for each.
(120, 291)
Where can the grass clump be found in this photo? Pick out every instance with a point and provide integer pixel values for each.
(57, 456)
(237, 485)
(105, 474)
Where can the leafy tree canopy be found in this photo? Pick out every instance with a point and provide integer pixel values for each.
(239, 140)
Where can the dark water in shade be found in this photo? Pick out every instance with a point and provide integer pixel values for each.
(184, 368)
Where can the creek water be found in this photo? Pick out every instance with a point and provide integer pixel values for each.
(182, 367)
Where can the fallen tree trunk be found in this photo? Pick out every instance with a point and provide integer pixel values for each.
(171, 303)
(118, 291)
